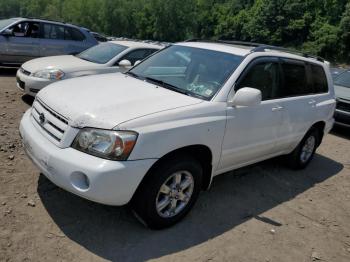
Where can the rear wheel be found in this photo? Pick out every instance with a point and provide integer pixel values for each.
(169, 192)
(305, 151)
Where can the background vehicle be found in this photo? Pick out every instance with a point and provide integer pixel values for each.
(342, 93)
(108, 57)
(157, 135)
(336, 71)
(22, 39)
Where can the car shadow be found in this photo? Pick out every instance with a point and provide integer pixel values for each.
(28, 99)
(8, 71)
(341, 131)
(112, 233)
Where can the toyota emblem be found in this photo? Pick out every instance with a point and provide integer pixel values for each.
(42, 118)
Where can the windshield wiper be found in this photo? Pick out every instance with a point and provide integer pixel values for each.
(132, 74)
(169, 86)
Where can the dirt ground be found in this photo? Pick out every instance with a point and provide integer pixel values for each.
(261, 213)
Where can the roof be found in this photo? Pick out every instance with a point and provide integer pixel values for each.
(220, 47)
(137, 44)
(47, 20)
(246, 48)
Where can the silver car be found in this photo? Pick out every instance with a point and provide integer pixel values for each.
(22, 39)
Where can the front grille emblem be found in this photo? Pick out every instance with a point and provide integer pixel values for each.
(42, 118)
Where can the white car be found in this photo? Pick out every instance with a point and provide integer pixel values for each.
(108, 57)
(158, 134)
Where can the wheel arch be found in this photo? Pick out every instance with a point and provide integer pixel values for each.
(201, 153)
(320, 127)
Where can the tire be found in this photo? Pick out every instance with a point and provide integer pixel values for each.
(305, 151)
(149, 195)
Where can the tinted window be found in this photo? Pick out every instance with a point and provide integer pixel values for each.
(102, 53)
(263, 76)
(295, 81)
(136, 55)
(53, 32)
(26, 29)
(73, 34)
(319, 79)
(343, 79)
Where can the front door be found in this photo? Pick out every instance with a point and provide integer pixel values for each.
(251, 132)
(23, 45)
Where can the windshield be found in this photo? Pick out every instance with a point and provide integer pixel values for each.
(102, 53)
(343, 79)
(6, 22)
(188, 70)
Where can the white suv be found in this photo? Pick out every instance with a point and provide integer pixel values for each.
(158, 134)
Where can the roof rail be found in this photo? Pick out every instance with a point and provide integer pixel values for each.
(222, 41)
(259, 47)
(263, 48)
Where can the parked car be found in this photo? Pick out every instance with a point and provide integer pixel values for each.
(22, 39)
(342, 93)
(156, 135)
(336, 71)
(109, 57)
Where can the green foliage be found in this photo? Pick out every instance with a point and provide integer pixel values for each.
(317, 26)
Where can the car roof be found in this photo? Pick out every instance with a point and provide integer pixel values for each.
(246, 48)
(47, 21)
(136, 44)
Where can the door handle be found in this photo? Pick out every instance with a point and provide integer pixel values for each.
(312, 101)
(277, 108)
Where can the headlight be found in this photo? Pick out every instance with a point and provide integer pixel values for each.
(108, 144)
(52, 74)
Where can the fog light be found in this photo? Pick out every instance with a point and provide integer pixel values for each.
(80, 181)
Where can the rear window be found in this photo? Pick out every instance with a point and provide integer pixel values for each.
(319, 79)
(73, 34)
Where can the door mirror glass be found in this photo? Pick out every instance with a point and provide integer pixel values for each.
(124, 63)
(7, 32)
(246, 96)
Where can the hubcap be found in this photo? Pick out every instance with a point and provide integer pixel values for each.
(308, 149)
(174, 194)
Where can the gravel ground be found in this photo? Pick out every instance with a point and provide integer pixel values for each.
(265, 212)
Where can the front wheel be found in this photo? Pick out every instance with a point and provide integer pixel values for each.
(305, 151)
(169, 192)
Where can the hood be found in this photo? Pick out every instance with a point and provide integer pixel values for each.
(66, 63)
(105, 101)
(342, 92)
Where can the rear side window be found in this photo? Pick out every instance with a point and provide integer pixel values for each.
(295, 80)
(73, 34)
(59, 32)
(136, 55)
(319, 79)
(51, 31)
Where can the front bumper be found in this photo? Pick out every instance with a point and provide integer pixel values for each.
(31, 85)
(342, 118)
(109, 182)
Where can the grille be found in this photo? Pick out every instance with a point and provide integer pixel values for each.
(51, 122)
(25, 71)
(21, 84)
(344, 106)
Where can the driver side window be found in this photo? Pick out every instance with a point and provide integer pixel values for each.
(137, 55)
(263, 76)
(26, 29)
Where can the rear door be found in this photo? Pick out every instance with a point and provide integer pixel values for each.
(23, 45)
(301, 98)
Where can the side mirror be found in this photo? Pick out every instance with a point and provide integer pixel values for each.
(246, 96)
(124, 63)
(137, 62)
(7, 32)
